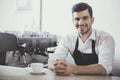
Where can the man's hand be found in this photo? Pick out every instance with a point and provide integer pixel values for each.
(62, 68)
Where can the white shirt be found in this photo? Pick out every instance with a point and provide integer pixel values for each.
(104, 47)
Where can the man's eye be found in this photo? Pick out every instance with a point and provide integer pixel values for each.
(85, 18)
(77, 19)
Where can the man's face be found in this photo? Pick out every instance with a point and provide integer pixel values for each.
(83, 21)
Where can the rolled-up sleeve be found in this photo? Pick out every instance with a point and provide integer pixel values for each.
(106, 51)
(62, 50)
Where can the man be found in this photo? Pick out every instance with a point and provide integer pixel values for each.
(88, 51)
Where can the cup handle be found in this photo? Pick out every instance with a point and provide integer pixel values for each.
(28, 67)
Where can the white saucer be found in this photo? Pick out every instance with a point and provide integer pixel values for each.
(31, 72)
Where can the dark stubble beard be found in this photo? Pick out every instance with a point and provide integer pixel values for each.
(83, 33)
(86, 31)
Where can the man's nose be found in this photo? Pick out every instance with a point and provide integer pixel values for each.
(81, 22)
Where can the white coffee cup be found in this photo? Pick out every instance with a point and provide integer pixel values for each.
(36, 67)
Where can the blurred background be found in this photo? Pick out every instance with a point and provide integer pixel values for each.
(53, 17)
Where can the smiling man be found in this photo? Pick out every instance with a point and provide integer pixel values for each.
(89, 51)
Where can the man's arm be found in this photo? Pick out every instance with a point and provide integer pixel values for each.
(96, 69)
(62, 68)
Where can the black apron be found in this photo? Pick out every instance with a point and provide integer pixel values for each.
(83, 58)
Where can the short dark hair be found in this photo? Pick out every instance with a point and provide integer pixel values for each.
(82, 6)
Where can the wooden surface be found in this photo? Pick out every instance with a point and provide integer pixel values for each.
(16, 73)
